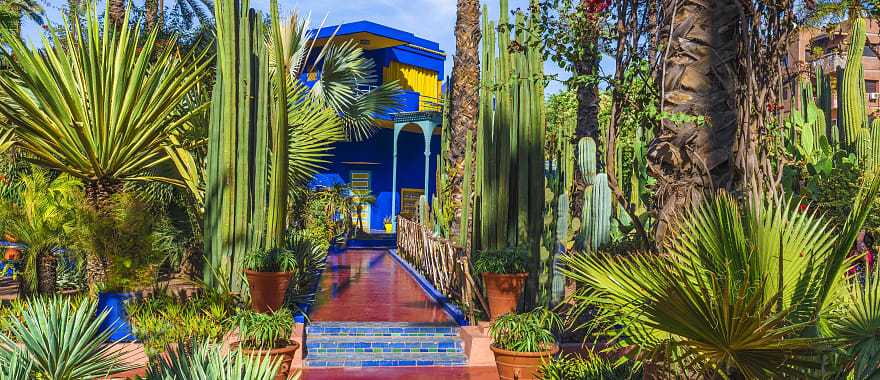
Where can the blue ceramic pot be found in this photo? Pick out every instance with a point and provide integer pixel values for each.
(117, 317)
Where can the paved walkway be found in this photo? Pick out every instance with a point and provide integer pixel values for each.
(368, 285)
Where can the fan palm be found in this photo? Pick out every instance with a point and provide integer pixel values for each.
(857, 323)
(737, 291)
(98, 104)
(346, 78)
(39, 220)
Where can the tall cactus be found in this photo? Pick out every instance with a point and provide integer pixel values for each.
(511, 141)
(245, 107)
(852, 94)
(600, 212)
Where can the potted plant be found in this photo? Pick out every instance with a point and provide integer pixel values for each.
(504, 276)
(389, 227)
(12, 252)
(268, 335)
(124, 239)
(522, 343)
(268, 274)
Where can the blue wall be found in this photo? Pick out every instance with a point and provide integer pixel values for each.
(378, 149)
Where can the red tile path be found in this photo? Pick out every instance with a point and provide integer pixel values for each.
(411, 373)
(368, 285)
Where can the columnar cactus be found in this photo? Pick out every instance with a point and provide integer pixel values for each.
(852, 93)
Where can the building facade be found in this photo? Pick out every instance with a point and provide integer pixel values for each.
(392, 169)
(828, 49)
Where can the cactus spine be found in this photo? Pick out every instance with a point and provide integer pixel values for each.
(852, 110)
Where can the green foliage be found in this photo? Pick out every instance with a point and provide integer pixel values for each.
(207, 361)
(737, 291)
(590, 367)
(505, 261)
(526, 332)
(124, 236)
(853, 116)
(264, 331)
(163, 320)
(310, 254)
(856, 322)
(99, 103)
(41, 218)
(270, 260)
(61, 342)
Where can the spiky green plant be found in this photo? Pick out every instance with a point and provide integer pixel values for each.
(207, 362)
(97, 102)
(857, 323)
(737, 291)
(852, 88)
(62, 342)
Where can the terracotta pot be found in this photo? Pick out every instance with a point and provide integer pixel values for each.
(521, 365)
(504, 291)
(267, 289)
(283, 355)
(12, 253)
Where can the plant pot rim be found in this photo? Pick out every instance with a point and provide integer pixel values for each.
(291, 346)
(518, 274)
(255, 273)
(552, 351)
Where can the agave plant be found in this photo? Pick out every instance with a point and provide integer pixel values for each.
(737, 292)
(40, 219)
(97, 102)
(206, 362)
(60, 341)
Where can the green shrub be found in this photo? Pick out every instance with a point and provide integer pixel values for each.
(270, 260)
(505, 261)
(206, 361)
(163, 320)
(264, 331)
(525, 332)
(310, 253)
(591, 367)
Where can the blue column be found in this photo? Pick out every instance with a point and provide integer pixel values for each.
(428, 131)
(397, 128)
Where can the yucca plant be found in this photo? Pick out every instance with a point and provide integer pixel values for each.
(61, 341)
(40, 219)
(207, 362)
(97, 102)
(737, 291)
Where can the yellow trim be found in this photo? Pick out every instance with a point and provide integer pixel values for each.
(415, 79)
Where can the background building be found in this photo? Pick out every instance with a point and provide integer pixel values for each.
(412, 132)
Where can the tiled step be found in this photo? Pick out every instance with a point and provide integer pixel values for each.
(380, 329)
(385, 359)
(383, 344)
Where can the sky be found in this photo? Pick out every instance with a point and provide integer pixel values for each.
(430, 19)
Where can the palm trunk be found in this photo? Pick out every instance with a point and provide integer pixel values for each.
(46, 273)
(99, 195)
(116, 12)
(151, 14)
(465, 96)
(587, 95)
(693, 158)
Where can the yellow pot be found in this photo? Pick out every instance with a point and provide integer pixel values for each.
(389, 228)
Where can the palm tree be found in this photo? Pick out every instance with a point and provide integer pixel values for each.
(11, 12)
(739, 291)
(39, 220)
(691, 158)
(465, 93)
(99, 105)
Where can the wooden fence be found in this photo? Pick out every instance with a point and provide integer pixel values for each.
(440, 261)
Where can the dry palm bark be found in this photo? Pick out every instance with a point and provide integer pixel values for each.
(691, 158)
(465, 94)
(116, 11)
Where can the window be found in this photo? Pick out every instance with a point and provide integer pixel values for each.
(871, 86)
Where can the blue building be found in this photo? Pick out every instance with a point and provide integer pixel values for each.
(398, 163)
